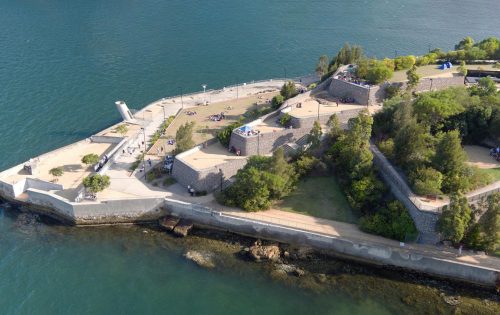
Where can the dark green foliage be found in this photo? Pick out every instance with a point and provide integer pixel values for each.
(277, 101)
(57, 171)
(392, 91)
(455, 218)
(315, 136)
(404, 62)
(224, 135)
(96, 183)
(491, 224)
(485, 87)
(307, 164)
(184, 137)
(413, 77)
(160, 130)
(392, 221)
(374, 71)
(412, 146)
(288, 90)
(90, 159)
(285, 120)
(261, 181)
(426, 181)
(335, 130)
(322, 66)
(347, 55)
(433, 108)
(450, 158)
(364, 193)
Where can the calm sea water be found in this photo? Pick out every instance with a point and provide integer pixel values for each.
(64, 63)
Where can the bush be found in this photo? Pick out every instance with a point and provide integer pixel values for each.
(404, 62)
(90, 159)
(169, 181)
(122, 129)
(306, 164)
(392, 221)
(96, 183)
(387, 148)
(426, 181)
(288, 90)
(224, 135)
(392, 91)
(150, 176)
(277, 101)
(285, 120)
(312, 86)
(57, 171)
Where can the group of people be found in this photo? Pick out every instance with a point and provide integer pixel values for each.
(232, 149)
(495, 153)
(190, 113)
(217, 117)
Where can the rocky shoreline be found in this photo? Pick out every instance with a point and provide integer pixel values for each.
(318, 272)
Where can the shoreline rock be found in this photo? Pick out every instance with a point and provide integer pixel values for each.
(201, 258)
(169, 222)
(259, 252)
(183, 227)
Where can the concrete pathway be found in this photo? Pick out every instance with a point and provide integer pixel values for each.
(352, 233)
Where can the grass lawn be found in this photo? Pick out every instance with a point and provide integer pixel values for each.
(320, 197)
(494, 172)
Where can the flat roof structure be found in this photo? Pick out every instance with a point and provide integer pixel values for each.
(209, 156)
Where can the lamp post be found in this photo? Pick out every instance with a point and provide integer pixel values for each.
(182, 101)
(431, 85)
(144, 155)
(204, 86)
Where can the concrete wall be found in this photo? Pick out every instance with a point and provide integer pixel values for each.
(207, 179)
(106, 139)
(365, 252)
(110, 211)
(363, 95)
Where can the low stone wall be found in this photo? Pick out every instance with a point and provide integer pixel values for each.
(106, 139)
(109, 211)
(363, 95)
(432, 84)
(366, 252)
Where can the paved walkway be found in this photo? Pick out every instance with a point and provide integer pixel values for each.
(352, 233)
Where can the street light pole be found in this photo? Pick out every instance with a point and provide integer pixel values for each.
(182, 102)
(204, 86)
(144, 155)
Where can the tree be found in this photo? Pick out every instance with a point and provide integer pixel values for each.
(426, 181)
(90, 159)
(378, 72)
(413, 77)
(462, 69)
(335, 128)
(432, 108)
(277, 101)
(455, 218)
(184, 137)
(404, 62)
(322, 66)
(285, 119)
(96, 183)
(450, 158)
(315, 135)
(412, 146)
(485, 87)
(122, 129)
(288, 90)
(465, 44)
(224, 135)
(56, 172)
(491, 225)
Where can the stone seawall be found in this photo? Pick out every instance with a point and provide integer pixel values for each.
(365, 252)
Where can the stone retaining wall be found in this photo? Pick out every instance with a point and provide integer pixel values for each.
(365, 252)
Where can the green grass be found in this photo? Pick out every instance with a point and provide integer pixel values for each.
(320, 197)
(493, 172)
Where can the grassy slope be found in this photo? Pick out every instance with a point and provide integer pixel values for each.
(320, 197)
(494, 172)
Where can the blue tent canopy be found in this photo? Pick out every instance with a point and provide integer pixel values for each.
(446, 65)
(245, 128)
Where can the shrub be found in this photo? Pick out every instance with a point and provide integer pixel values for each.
(392, 221)
(169, 181)
(404, 62)
(312, 86)
(56, 171)
(307, 164)
(96, 183)
(90, 159)
(387, 148)
(277, 101)
(224, 135)
(426, 181)
(288, 90)
(122, 129)
(184, 137)
(285, 120)
(392, 91)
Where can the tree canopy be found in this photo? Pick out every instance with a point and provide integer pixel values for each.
(96, 182)
(90, 159)
(184, 137)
